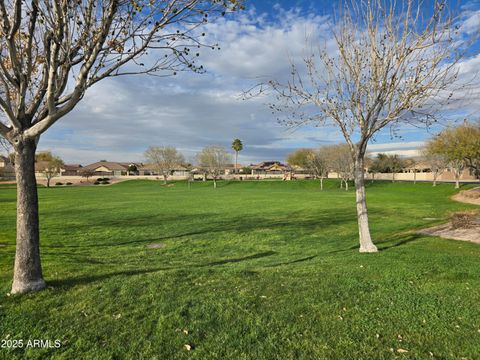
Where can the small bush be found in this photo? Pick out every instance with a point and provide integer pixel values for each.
(96, 183)
(100, 179)
(105, 182)
(58, 184)
(69, 183)
(465, 219)
(106, 179)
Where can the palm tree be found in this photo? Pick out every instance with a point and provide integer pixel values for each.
(237, 146)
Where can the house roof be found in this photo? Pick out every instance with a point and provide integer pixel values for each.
(271, 166)
(151, 167)
(70, 167)
(110, 165)
(232, 166)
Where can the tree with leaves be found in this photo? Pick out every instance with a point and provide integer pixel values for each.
(237, 146)
(164, 160)
(49, 164)
(460, 146)
(213, 160)
(299, 158)
(132, 169)
(312, 160)
(52, 52)
(384, 163)
(386, 63)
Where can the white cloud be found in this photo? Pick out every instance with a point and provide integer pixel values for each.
(120, 117)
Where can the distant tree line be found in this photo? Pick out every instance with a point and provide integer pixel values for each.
(455, 149)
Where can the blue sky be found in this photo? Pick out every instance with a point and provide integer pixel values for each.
(120, 117)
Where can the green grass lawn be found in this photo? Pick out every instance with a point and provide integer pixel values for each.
(252, 270)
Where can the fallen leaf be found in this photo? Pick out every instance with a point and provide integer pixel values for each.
(188, 347)
(402, 351)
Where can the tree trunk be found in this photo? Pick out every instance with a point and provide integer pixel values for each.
(48, 181)
(27, 273)
(457, 181)
(236, 161)
(214, 183)
(165, 179)
(346, 185)
(366, 244)
(321, 183)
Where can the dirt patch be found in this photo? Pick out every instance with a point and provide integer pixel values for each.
(155, 246)
(446, 231)
(471, 196)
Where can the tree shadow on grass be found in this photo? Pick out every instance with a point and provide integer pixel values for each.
(236, 260)
(386, 244)
(397, 241)
(293, 261)
(295, 224)
(85, 280)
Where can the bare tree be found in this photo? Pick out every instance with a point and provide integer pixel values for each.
(53, 51)
(49, 164)
(164, 159)
(456, 167)
(213, 160)
(393, 63)
(317, 164)
(412, 164)
(437, 163)
(339, 160)
(87, 173)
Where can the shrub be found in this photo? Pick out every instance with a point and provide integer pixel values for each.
(69, 183)
(96, 183)
(58, 184)
(105, 182)
(100, 179)
(106, 179)
(465, 219)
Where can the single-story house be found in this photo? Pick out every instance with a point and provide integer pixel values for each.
(110, 168)
(270, 168)
(230, 169)
(71, 169)
(7, 170)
